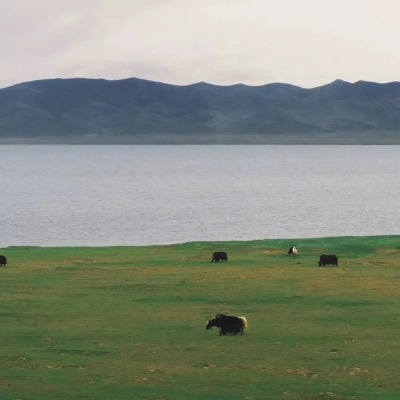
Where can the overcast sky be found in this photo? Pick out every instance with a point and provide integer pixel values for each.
(307, 43)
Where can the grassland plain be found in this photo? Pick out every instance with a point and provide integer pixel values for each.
(129, 322)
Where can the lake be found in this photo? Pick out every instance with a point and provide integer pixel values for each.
(60, 195)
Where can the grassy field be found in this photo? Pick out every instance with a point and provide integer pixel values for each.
(129, 322)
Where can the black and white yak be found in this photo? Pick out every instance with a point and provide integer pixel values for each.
(228, 324)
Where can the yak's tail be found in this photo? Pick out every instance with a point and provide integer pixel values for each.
(244, 320)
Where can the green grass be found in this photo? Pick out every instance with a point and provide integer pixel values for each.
(129, 322)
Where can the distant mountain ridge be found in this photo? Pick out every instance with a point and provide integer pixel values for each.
(97, 110)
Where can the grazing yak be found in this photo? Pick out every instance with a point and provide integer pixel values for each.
(292, 251)
(328, 259)
(3, 261)
(227, 324)
(219, 255)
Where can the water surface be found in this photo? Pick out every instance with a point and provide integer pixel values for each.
(130, 195)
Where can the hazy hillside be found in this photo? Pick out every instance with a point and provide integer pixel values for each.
(140, 111)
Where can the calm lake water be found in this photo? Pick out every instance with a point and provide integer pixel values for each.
(132, 195)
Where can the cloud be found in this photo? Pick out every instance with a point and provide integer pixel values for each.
(306, 43)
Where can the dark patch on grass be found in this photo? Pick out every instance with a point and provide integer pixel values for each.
(327, 396)
(350, 303)
(78, 352)
(132, 287)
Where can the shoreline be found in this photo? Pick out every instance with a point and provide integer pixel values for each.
(213, 242)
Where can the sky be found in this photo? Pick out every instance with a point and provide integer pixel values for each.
(306, 43)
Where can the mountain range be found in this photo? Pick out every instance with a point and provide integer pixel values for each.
(141, 111)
